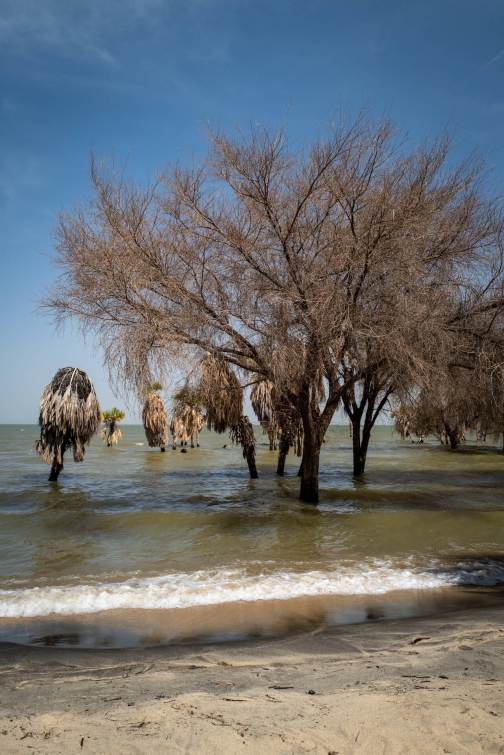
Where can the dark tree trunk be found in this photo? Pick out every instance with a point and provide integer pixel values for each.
(110, 433)
(55, 470)
(282, 455)
(370, 410)
(163, 449)
(453, 436)
(315, 425)
(249, 454)
(359, 448)
(310, 467)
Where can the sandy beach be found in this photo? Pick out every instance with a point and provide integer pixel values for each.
(366, 688)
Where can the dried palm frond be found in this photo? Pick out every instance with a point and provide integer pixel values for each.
(187, 415)
(221, 394)
(186, 420)
(69, 417)
(154, 420)
(113, 436)
(403, 417)
(261, 400)
(242, 433)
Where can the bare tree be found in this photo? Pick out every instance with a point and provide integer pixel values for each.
(280, 259)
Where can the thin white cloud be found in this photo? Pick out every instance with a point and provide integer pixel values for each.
(87, 29)
(494, 60)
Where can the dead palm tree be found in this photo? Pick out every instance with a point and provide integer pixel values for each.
(278, 419)
(111, 419)
(154, 418)
(291, 433)
(243, 434)
(260, 397)
(222, 396)
(188, 418)
(69, 417)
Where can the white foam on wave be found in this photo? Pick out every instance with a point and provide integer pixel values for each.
(212, 587)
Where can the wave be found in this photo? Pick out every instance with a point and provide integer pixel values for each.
(225, 585)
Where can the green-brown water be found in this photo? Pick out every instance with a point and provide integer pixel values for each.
(135, 545)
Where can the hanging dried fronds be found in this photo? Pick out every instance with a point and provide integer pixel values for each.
(187, 415)
(261, 400)
(262, 404)
(69, 417)
(242, 433)
(186, 422)
(403, 417)
(155, 420)
(221, 394)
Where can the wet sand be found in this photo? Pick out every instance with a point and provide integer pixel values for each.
(361, 688)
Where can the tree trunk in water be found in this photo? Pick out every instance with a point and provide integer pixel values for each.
(282, 455)
(310, 469)
(249, 454)
(55, 470)
(360, 447)
(300, 470)
(452, 435)
(163, 449)
(360, 455)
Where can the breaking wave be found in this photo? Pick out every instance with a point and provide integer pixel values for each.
(224, 585)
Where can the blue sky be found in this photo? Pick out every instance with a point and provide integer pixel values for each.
(138, 77)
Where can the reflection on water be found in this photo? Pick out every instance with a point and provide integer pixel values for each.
(132, 513)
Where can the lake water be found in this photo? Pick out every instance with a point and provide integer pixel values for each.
(137, 546)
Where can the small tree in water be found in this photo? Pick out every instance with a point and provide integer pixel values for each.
(187, 416)
(154, 417)
(69, 417)
(111, 419)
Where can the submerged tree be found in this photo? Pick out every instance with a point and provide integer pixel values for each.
(260, 398)
(187, 416)
(69, 417)
(111, 432)
(280, 421)
(403, 416)
(154, 418)
(280, 260)
(242, 434)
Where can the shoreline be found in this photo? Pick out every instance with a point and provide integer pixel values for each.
(374, 692)
(236, 621)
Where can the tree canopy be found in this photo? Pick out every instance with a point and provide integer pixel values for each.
(355, 262)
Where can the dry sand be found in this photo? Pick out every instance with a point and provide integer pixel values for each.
(372, 691)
